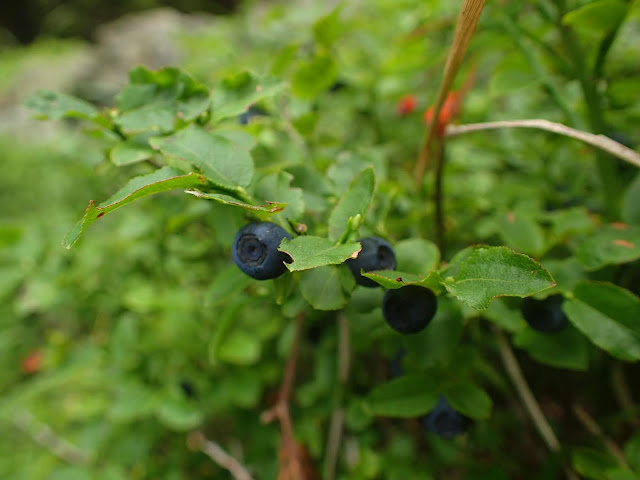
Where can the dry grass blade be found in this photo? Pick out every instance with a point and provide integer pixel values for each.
(467, 21)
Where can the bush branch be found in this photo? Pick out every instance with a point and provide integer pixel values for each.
(45, 436)
(216, 453)
(601, 142)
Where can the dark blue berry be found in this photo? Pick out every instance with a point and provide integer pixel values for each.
(255, 250)
(250, 113)
(376, 254)
(444, 421)
(409, 309)
(544, 315)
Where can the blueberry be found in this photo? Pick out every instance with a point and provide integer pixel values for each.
(544, 315)
(444, 421)
(409, 309)
(251, 112)
(376, 254)
(255, 250)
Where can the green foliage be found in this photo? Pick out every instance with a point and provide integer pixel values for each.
(145, 331)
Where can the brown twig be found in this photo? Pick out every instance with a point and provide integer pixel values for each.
(281, 409)
(530, 403)
(466, 25)
(215, 452)
(45, 436)
(594, 429)
(337, 418)
(602, 142)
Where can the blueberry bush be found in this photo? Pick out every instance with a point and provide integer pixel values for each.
(350, 253)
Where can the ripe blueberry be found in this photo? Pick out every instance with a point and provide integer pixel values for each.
(255, 250)
(445, 421)
(409, 309)
(544, 315)
(376, 254)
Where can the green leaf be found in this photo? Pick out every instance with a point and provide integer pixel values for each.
(314, 76)
(522, 233)
(416, 255)
(239, 348)
(632, 451)
(238, 92)
(608, 315)
(477, 275)
(222, 162)
(130, 151)
(407, 396)
(437, 346)
(154, 100)
(161, 180)
(277, 187)
(227, 283)
(597, 17)
(268, 208)
(631, 202)
(356, 200)
(565, 349)
(469, 399)
(327, 29)
(48, 104)
(312, 252)
(178, 413)
(592, 463)
(391, 279)
(323, 289)
(612, 244)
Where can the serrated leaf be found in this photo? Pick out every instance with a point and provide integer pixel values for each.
(392, 279)
(225, 199)
(612, 244)
(238, 92)
(356, 200)
(221, 161)
(477, 275)
(161, 180)
(608, 315)
(323, 289)
(312, 252)
(469, 399)
(407, 396)
(54, 105)
(277, 187)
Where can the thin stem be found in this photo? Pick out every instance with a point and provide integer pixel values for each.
(602, 142)
(522, 387)
(290, 458)
(622, 392)
(215, 452)
(465, 27)
(530, 403)
(337, 418)
(594, 429)
(45, 436)
(438, 196)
